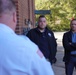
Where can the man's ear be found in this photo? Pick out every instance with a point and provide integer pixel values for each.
(14, 17)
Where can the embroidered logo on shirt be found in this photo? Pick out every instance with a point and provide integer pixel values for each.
(39, 53)
(49, 34)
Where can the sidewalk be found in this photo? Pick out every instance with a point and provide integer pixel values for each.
(59, 68)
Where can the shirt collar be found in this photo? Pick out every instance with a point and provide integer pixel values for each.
(6, 28)
(39, 30)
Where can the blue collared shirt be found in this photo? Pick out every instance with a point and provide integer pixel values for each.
(74, 41)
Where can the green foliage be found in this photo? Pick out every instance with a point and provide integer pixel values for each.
(62, 11)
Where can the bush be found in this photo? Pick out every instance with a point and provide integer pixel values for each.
(59, 27)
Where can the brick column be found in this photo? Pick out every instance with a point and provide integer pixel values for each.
(25, 11)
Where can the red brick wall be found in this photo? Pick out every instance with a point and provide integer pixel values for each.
(25, 11)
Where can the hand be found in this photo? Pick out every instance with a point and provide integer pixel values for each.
(54, 61)
(70, 43)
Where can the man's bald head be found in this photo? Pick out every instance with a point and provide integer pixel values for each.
(7, 6)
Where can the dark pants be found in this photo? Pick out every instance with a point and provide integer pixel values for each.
(69, 67)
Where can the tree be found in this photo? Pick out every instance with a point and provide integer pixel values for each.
(62, 11)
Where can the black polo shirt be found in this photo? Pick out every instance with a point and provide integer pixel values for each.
(43, 44)
(45, 41)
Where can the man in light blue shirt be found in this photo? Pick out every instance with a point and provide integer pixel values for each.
(18, 55)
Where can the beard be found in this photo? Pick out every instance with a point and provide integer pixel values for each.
(41, 28)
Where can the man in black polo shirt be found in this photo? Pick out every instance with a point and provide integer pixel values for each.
(45, 39)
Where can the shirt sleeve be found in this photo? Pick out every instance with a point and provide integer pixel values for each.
(40, 66)
(36, 62)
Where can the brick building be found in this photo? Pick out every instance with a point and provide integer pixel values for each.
(25, 14)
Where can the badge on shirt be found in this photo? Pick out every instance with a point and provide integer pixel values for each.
(40, 53)
(49, 34)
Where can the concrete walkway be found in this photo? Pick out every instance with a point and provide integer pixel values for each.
(59, 68)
